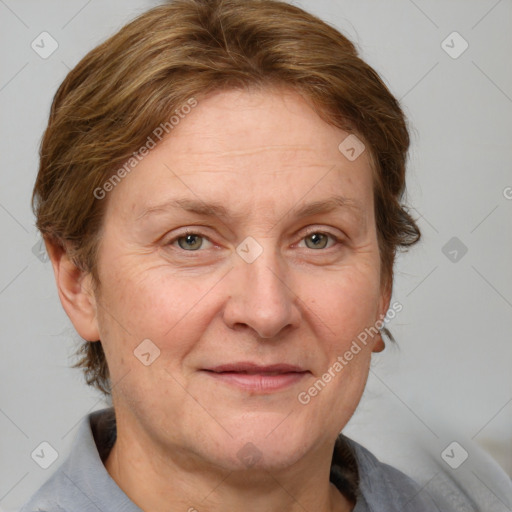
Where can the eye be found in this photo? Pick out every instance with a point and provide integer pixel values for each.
(189, 241)
(192, 241)
(319, 240)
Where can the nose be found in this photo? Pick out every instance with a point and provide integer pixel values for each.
(261, 296)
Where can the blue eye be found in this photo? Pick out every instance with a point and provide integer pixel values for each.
(318, 240)
(189, 241)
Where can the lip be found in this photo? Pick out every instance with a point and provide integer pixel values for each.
(249, 367)
(257, 378)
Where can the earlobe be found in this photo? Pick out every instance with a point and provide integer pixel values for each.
(384, 302)
(75, 292)
(379, 345)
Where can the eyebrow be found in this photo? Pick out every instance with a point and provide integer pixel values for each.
(216, 209)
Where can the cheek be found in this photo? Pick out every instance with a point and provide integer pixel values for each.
(342, 309)
(346, 302)
(169, 313)
(145, 303)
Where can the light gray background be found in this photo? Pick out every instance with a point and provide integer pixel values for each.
(449, 378)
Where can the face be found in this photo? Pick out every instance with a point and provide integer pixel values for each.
(243, 307)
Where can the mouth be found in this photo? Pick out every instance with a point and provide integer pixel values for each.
(257, 378)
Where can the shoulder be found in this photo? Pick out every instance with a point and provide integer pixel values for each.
(46, 499)
(384, 488)
(54, 495)
(81, 483)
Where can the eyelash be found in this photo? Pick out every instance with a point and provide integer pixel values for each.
(337, 240)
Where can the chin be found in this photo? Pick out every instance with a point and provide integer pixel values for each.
(264, 441)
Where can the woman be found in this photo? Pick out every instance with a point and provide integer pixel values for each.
(219, 192)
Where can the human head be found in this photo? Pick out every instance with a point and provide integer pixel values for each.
(183, 51)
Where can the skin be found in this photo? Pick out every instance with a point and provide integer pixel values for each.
(262, 154)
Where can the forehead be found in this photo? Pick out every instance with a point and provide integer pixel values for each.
(263, 149)
(238, 123)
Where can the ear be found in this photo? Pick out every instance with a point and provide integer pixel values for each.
(75, 292)
(384, 301)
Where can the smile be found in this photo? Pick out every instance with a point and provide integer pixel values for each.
(257, 379)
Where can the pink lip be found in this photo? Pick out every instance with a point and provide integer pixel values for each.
(257, 378)
(248, 367)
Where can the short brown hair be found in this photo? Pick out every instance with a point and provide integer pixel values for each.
(111, 102)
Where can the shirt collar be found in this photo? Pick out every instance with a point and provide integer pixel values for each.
(84, 466)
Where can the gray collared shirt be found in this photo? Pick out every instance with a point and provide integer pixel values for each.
(82, 484)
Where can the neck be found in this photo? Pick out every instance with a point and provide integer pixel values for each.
(177, 481)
